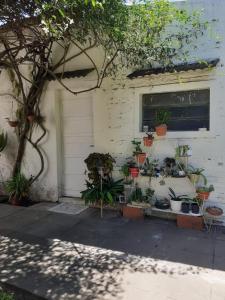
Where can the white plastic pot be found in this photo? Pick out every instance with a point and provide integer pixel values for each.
(175, 205)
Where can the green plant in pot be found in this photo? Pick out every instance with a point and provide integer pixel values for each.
(176, 200)
(138, 153)
(149, 194)
(107, 191)
(138, 199)
(95, 161)
(18, 189)
(195, 174)
(203, 192)
(149, 167)
(148, 140)
(125, 170)
(195, 206)
(162, 117)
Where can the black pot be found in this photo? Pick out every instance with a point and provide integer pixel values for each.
(185, 207)
(194, 208)
(162, 204)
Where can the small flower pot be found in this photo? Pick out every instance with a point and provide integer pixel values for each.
(13, 123)
(31, 118)
(140, 158)
(194, 208)
(194, 178)
(161, 130)
(203, 195)
(135, 213)
(185, 207)
(147, 141)
(134, 172)
(175, 205)
(15, 201)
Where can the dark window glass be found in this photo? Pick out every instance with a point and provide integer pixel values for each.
(189, 109)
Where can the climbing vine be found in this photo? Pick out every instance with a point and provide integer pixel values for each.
(130, 36)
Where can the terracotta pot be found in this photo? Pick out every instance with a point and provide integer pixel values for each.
(131, 212)
(134, 172)
(161, 130)
(31, 118)
(13, 123)
(15, 201)
(214, 211)
(141, 157)
(191, 222)
(147, 141)
(203, 195)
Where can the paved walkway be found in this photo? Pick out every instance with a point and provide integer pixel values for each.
(60, 256)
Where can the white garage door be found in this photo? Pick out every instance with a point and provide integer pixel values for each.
(77, 137)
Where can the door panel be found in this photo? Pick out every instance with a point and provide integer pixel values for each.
(77, 141)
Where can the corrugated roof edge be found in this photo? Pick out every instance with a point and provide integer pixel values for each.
(203, 64)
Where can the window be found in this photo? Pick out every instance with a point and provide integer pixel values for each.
(189, 109)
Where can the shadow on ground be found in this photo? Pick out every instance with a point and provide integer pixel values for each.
(89, 257)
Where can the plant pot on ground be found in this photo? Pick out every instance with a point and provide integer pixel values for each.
(185, 207)
(137, 204)
(195, 208)
(161, 120)
(139, 155)
(176, 201)
(18, 189)
(190, 222)
(148, 140)
(203, 192)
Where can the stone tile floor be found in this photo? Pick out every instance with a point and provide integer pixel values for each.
(58, 256)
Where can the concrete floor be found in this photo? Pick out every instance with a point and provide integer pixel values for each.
(58, 256)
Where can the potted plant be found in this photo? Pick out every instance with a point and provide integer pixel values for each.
(175, 201)
(138, 153)
(195, 206)
(150, 167)
(149, 194)
(161, 120)
(195, 174)
(185, 206)
(102, 193)
(125, 170)
(18, 189)
(183, 151)
(203, 192)
(148, 140)
(137, 203)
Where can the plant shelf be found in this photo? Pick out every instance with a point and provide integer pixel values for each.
(176, 213)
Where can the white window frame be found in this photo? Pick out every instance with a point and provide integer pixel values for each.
(189, 86)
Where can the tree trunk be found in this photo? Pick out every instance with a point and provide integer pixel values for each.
(21, 149)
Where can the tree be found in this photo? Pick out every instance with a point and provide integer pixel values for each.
(131, 36)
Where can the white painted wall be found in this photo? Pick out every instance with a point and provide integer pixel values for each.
(116, 113)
